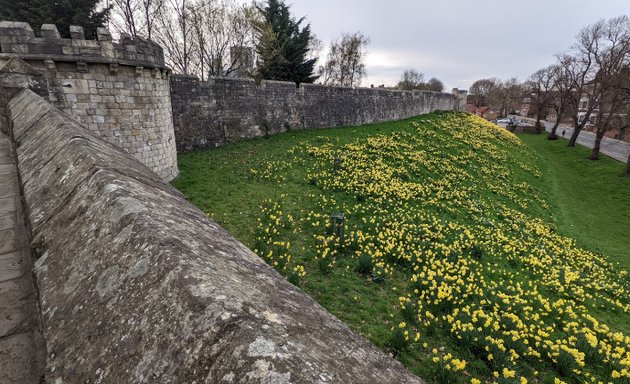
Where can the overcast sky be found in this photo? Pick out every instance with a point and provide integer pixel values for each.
(457, 41)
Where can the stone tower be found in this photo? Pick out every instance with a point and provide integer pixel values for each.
(119, 90)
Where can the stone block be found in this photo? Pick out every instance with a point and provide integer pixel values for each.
(103, 35)
(14, 32)
(49, 31)
(76, 33)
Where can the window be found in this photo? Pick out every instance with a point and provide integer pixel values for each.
(583, 104)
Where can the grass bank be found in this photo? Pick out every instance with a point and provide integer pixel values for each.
(451, 255)
(590, 199)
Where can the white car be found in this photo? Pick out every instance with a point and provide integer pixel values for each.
(504, 122)
(525, 123)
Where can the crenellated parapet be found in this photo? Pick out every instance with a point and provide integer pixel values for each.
(18, 39)
(119, 90)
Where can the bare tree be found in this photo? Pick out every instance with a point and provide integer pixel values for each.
(202, 37)
(315, 47)
(624, 121)
(541, 84)
(506, 96)
(345, 62)
(151, 10)
(482, 89)
(128, 12)
(174, 33)
(562, 89)
(581, 67)
(613, 60)
(410, 79)
(136, 17)
(223, 36)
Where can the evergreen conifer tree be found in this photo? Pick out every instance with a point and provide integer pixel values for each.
(63, 13)
(282, 45)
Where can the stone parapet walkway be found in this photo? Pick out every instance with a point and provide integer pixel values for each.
(21, 360)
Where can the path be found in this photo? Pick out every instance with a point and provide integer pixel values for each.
(617, 149)
(19, 331)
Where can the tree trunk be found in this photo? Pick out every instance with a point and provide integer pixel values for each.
(627, 172)
(538, 118)
(576, 131)
(598, 141)
(574, 136)
(552, 135)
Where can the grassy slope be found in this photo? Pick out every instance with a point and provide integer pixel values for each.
(590, 200)
(218, 181)
(221, 183)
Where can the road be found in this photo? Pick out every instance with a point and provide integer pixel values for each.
(617, 149)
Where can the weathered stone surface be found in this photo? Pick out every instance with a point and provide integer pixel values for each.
(17, 359)
(13, 260)
(212, 113)
(16, 305)
(16, 73)
(137, 285)
(6, 221)
(19, 327)
(7, 205)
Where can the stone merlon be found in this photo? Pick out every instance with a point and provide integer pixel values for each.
(18, 39)
(136, 285)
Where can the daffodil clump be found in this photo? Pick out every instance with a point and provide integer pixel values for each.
(444, 210)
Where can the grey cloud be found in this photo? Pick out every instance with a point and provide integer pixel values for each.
(457, 41)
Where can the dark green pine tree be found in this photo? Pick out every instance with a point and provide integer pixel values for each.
(282, 45)
(63, 13)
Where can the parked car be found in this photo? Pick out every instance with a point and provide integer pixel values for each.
(525, 123)
(505, 122)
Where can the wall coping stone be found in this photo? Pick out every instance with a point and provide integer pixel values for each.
(213, 79)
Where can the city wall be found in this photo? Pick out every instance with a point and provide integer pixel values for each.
(221, 110)
(136, 285)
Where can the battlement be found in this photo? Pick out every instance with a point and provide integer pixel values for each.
(18, 39)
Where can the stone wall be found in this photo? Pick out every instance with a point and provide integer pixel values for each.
(136, 285)
(212, 113)
(119, 90)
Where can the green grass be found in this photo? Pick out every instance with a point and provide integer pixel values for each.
(590, 199)
(471, 200)
(218, 181)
